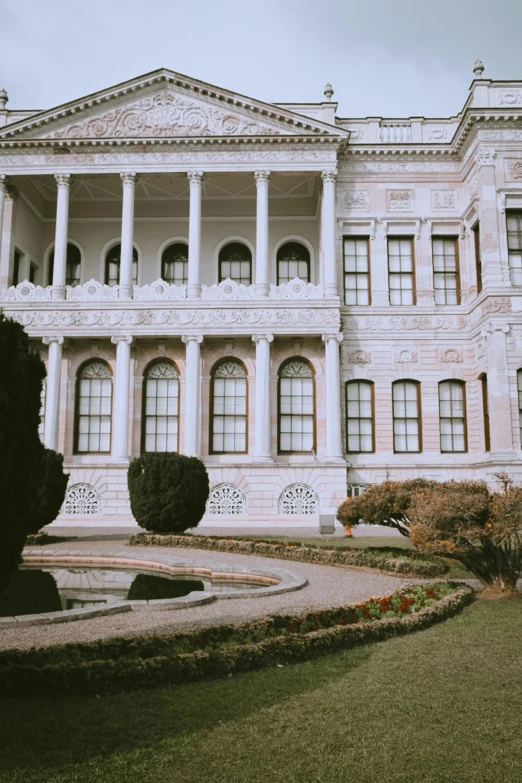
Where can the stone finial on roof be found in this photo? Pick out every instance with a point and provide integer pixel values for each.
(328, 91)
(3, 98)
(478, 68)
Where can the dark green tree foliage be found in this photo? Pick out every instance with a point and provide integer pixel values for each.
(51, 491)
(21, 375)
(168, 492)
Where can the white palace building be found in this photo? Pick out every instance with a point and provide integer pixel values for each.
(309, 303)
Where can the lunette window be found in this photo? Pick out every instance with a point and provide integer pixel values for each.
(174, 264)
(112, 265)
(401, 272)
(229, 408)
(406, 416)
(356, 271)
(446, 270)
(235, 262)
(359, 417)
(160, 407)
(93, 408)
(296, 407)
(293, 260)
(452, 416)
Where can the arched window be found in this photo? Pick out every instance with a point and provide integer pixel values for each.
(235, 262)
(93, 408)
(73, 265)
(174, 264)
(406, 416)
(160, 407)
(112, 265)
(228, 422)
(452, 416)
(483, 378)
(296, 407)
(293, 260)
(359, 417)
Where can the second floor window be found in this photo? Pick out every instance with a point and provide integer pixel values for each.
(112, 266)
(406, 416)
(514, 236)
(356, 271)
(235, 262)
(174, 264)
(452, 416)
(293, 260)
(401, 271)
(445, 270)
(72, 265)
(359, 417)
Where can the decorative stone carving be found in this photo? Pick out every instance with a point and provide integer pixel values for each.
(128, 178)
(515, 169)
(443, 200)
(407, 357)
(262, 177)
(159, 290)
(508, 134)
(413, 167)
(510, 97)
(63, 180)
(227, 289)
(329, 175)
(296, 289)
(501, 305)
(359, 357)
(355, 199)
(167, 113)
(82, 499)
(195, 177)
(226, 499)
(91, 291)
(25, 292)
(298, 499)
(398, 323)
(400, 200)
(450, 356)
(485, 156)
(437, 134)
(472, 187)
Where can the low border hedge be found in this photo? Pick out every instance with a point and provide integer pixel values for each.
(125, 664)
(408, 566)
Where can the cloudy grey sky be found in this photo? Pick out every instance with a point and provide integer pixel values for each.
(383, 57)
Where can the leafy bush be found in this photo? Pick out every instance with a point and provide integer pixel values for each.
(168, 492)
(51, 491)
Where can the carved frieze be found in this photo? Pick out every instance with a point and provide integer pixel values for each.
(396, 323)
(359, 357)
(400, 200)
(510, 97)
(355, 199)
(515, 169)
(450, 356)
(437, 134)
(410, 167)
(443, 200)
(406, 356)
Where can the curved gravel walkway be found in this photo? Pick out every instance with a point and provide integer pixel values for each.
(327, 586)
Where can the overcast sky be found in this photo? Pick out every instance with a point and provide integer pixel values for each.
(383, 57)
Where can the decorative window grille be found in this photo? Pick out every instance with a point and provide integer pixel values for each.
(356, 271)
(293, 260)
(298, 499)
(296, 407)
(235, 262)
(359, 417)
(72, 266)
(401, 271)
(226, 499)
(229, 408)
(446, 270)
(354, 490)
(452, 416)
(174, 264)
(406, 416)
(112, 265)
(82, 499)
(514, 237)
(94, 409)
(161, 407)
(41, 426)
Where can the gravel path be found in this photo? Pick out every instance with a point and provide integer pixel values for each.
(327, 586)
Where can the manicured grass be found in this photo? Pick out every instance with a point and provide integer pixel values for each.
(440, 706)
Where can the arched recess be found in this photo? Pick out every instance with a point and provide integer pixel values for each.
(69, 279)
(298, 499)
(226, 499)
(226, 241)
(296, 409)
(294, 238)
(137, 254)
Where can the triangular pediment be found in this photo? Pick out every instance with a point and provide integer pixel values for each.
(165, 104)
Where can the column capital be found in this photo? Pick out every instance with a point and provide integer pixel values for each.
(257, 337)
(63, 180)
(190, 338)
(128, 177)
(332, 336)
(493, 326)
(262, 177)
(122, 338)
(3, 181)
(329, 175)
(195, 177)
(48, 339)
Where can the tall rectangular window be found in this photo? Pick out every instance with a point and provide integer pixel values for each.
(452, 416)
(478, 257)
(514, 236)
(16, 266)
(446, 270)
(401, 271)
(406, 416)
(359, 417)
(485, 411)
(519, 386)
(356, 271)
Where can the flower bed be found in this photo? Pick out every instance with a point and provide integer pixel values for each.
(121, 664)
(411, 564)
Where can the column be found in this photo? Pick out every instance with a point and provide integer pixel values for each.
(262, 285)
(424, 264)
(380, 295)
(195, 179)
(52, 391)
(329, 275)
(3, 186)
(60, 238)
(192, 393)
(127, 235)
(262, 450)
(499, 405)
(8, 194)
(488, 216)
(334, 444)
(120, 440)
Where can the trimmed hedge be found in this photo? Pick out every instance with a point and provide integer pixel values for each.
(412, 565)
(121, 664)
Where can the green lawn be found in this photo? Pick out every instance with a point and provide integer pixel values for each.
(440, 706)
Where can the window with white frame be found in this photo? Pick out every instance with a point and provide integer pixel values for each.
(401, 273)
(452, 416)
(356, 271)
(406, 416)
(446, 270)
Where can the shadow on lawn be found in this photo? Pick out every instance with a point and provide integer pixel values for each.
(39, 733)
